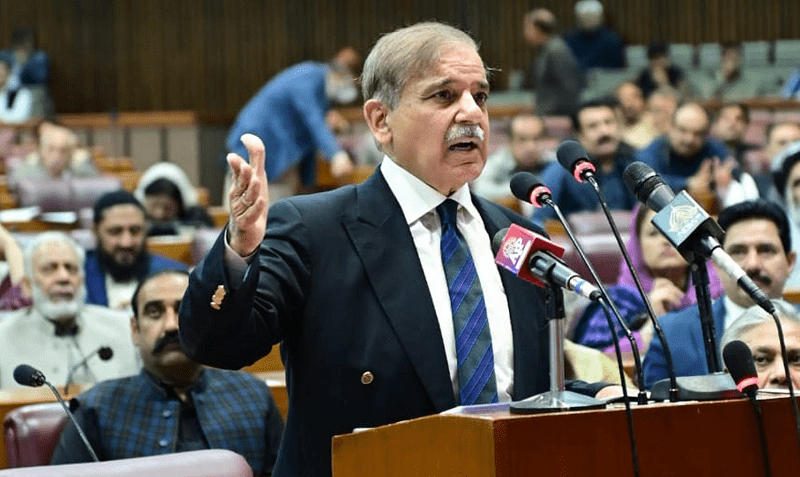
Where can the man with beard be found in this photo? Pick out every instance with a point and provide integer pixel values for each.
(757, 238)
(686, 158)
(174, 404)
(60, 329)
(120, 259)
(597, 129)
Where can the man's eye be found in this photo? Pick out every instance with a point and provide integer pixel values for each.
(444, 95)
(761, 360)
(481, 98)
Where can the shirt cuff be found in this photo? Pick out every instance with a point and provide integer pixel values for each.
(235, 264)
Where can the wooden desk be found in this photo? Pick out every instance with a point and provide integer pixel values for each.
(175, 247)
(683, 439)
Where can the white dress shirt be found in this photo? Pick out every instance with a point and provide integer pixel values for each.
(418, 202)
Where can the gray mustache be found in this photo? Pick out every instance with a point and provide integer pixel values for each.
(460, 131)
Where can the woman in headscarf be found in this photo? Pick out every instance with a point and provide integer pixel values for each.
(665, 277)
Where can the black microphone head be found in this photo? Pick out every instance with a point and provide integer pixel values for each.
(643, 182)
(27, 375)
(105, 353)
(739, 361)
(522, 183)
(497, 240)
(569, 153)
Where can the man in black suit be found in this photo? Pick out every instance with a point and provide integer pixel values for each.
(352, 282)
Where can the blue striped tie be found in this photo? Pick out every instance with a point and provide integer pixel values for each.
(476, 381)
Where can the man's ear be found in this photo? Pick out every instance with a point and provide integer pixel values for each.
(26, 286)
(135, 331)
(792, 257)
(376, 114)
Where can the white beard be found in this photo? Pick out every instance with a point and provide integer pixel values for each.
(58, 310)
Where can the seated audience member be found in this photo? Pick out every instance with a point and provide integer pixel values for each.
(757, 238)
(16, 105)
(637, 126)
(120, 259)
(686, 158)
(12, 295)
(787, 182)
(525, 152)
(729, 127)
(554, 74)
(594, 44)
(665, 277)
(170, 200)
(29, 67)
(174, 404)
(779, 136)
(597, 129)
(60, 329)
(591, 365)
(731, 82)
(660, 72)
(757, 329)
(661, 104)
(56, 158)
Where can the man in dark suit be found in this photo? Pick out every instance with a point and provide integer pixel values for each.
(757, 238)
(354, 282)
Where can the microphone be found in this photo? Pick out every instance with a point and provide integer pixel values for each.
(574, 159)
(527, 187)
(572, 156)
(688, 227)
(27, 375)
(104, 352)
(535, 259)
(739, 361)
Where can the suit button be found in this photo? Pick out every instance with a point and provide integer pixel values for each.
(163, 442)
(367, 377)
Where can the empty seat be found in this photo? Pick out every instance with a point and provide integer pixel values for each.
(202, 463)
(31, 433)
(636, 55)
(64, 194)
(787, 53)
(602, 252)
(755, 53)
(709, 56)
(682, 54)
(558, 126)
(594, 222)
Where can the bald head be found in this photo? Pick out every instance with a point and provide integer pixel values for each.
(689, 129)
(538, 26)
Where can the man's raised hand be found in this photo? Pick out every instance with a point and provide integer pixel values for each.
(248, 197)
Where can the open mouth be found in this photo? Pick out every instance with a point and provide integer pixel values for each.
(463, 146)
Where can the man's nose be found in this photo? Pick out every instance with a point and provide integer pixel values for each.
(469, 110)
(777, 375)
(171, 319)
(751, 261)
(127, 240)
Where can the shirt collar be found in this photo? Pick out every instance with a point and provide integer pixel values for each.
(417, 198)
(732, 311)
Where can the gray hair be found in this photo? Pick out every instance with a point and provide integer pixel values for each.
(404, 54)
(755, 316)
(49, 237)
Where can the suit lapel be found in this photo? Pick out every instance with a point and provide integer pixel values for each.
(383, 241)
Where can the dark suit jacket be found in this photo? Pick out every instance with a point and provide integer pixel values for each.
(685, 337)
(339, 283)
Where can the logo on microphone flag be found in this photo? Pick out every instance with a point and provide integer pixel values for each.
(512, 253)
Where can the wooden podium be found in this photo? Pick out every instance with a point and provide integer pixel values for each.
(683, 439)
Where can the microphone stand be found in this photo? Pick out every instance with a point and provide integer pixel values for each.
(700, 279)
(557, 398)
(673, 381)
(642, 396)
(74, 422)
